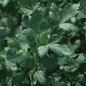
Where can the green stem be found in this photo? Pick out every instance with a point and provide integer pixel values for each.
(62, 4)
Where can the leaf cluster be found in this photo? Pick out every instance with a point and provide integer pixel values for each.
(42, 42)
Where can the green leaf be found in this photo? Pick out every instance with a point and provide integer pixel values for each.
(84, 27)
(42, 42)
(81, 58)
(4, 2)
(69, 11)
(83, 6)
(42, 50)
(33, 2)
(43, 39)
(55, 38)
(28, 63)
(13, 43)
(24, 47)
(77, 84)
(1, 45)
(18, 78)
(9, 82)
(40, 76)
(33, 21)
(15, 57)
(24, 3)
(76, 45)
(54, 13)
(68, 27)
(32, 41)
(27, 3)
(3, 33)
(49, 63)
(10, 65)
(25, 10)
(60, 49)
(62, 60)
(81, 15)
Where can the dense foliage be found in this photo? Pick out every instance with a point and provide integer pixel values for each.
(42, 42)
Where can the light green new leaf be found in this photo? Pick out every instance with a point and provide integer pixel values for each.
(81, 58)
(76, 45)
(69, 11)
(4, 2)
(25, 10)
(42, 50)
(55, 38)
(68, 27)
(40, 76)
(84, 27)
(10, 65)
(60, 49)
(24, 47)
(54, 13)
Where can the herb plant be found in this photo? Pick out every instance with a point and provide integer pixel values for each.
(42, 42)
